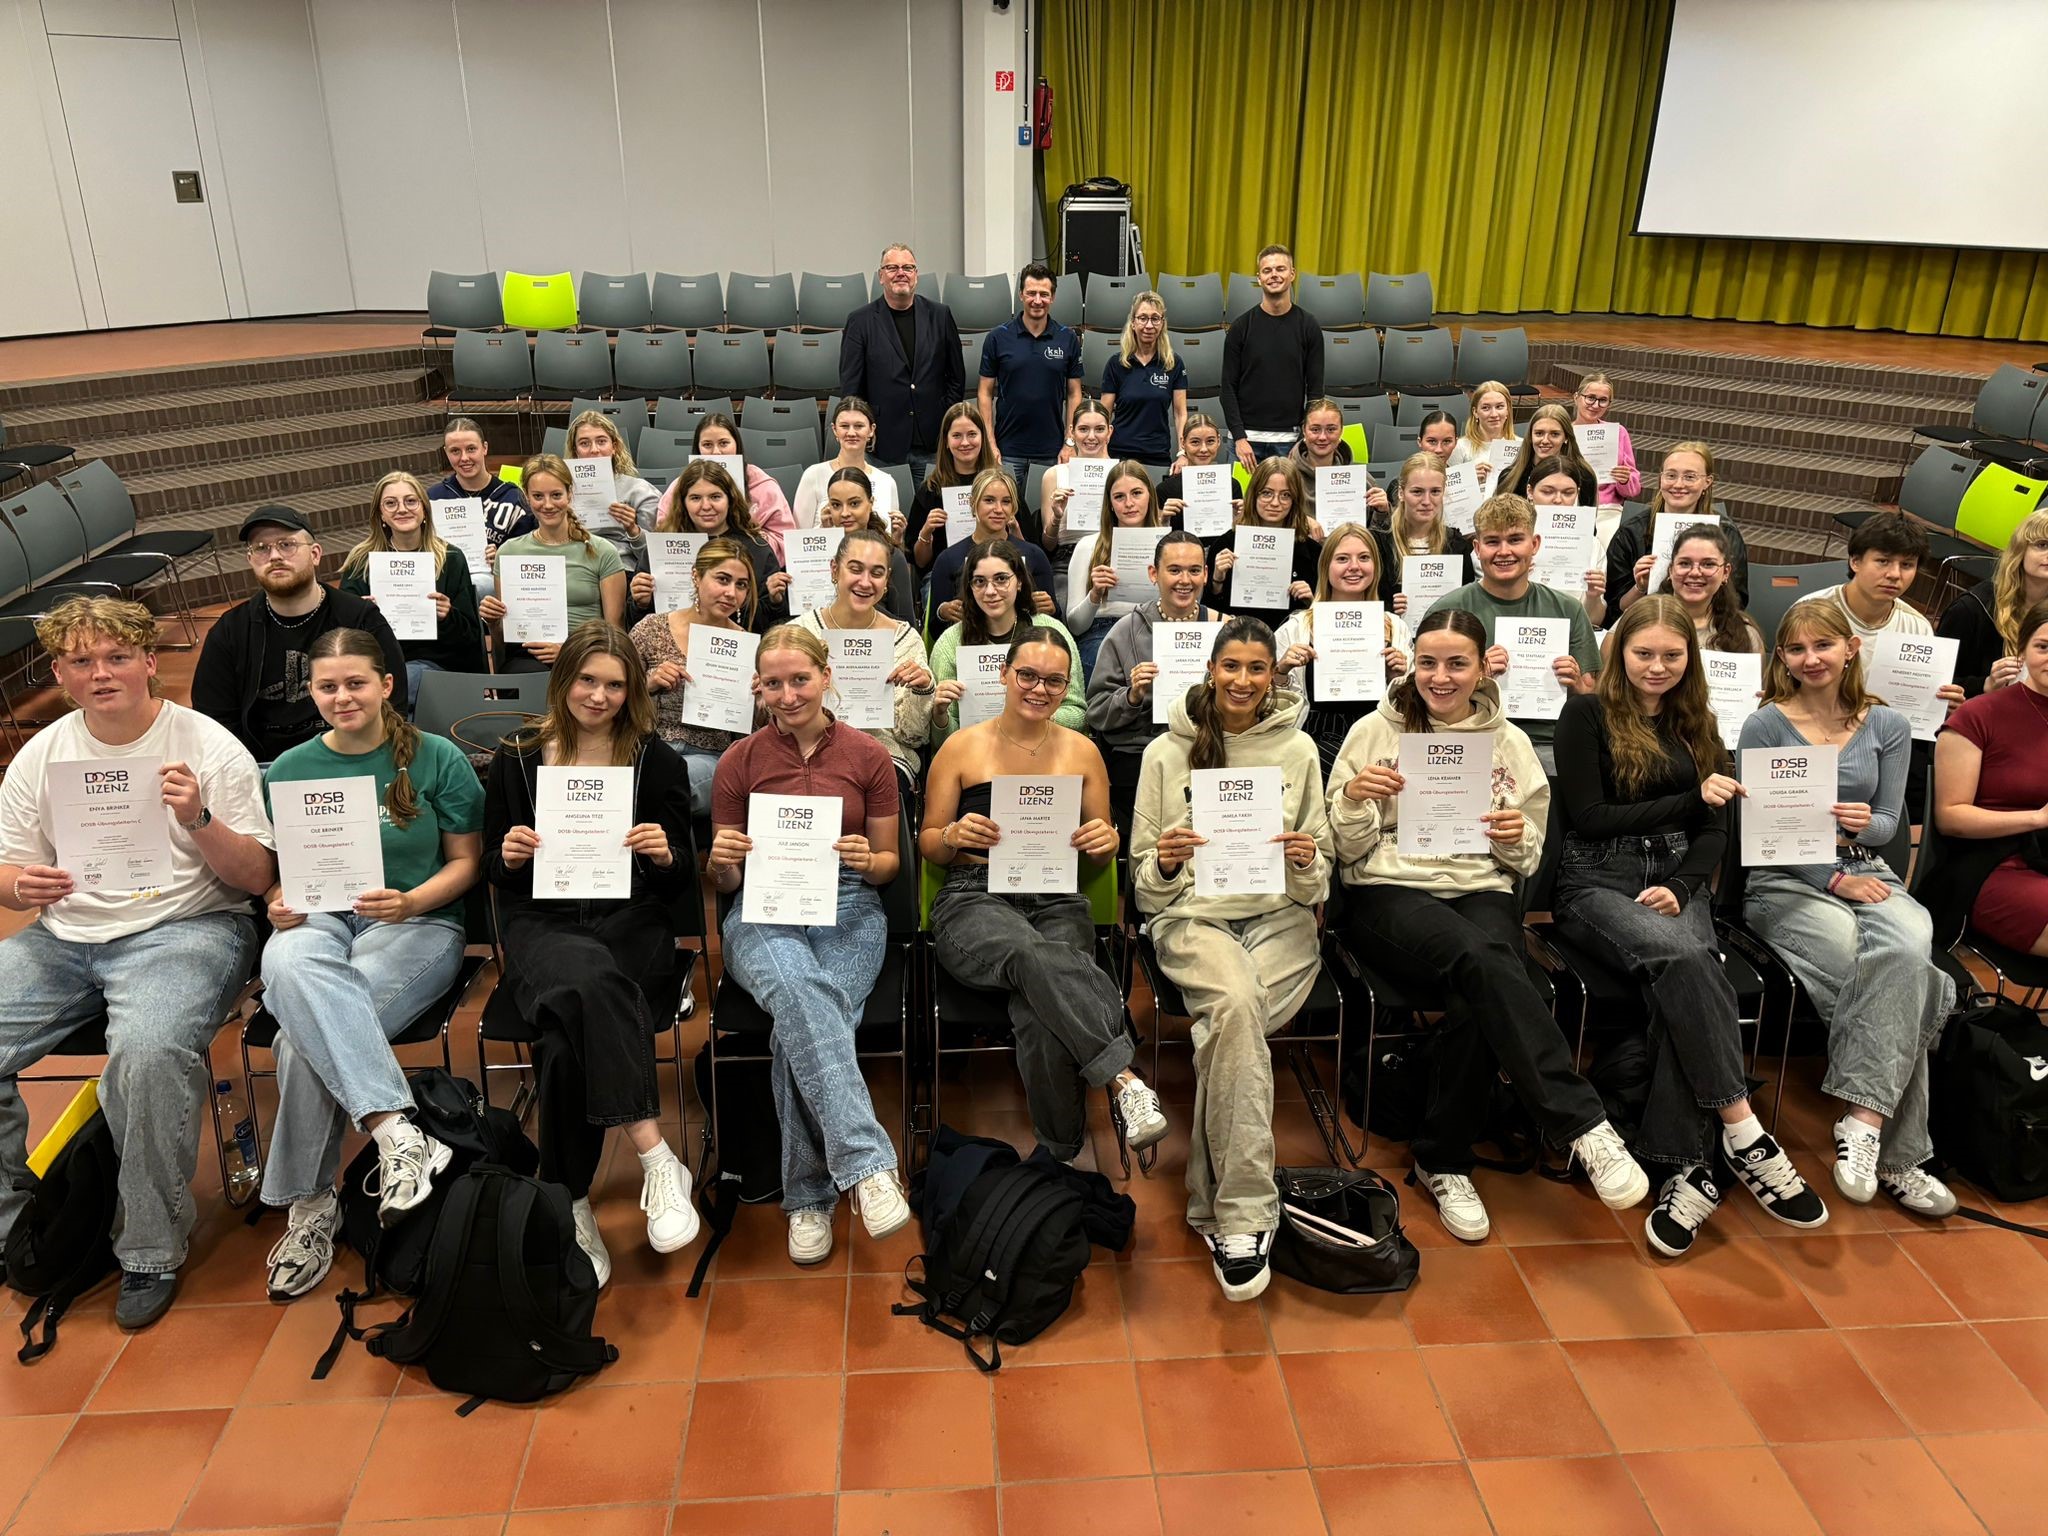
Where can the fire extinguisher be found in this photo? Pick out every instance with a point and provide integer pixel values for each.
(1041, 114)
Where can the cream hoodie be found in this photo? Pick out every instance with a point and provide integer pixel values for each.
(1363, 829)
(1162, 802)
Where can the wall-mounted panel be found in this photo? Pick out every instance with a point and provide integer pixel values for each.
(40, 290)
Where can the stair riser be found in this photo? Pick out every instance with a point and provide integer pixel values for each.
(1794, 372)
(308, 435)
(1875, 483)
(1700, 394)
(86, 423)
(234, 488)
(154, 381)
(1882, 446)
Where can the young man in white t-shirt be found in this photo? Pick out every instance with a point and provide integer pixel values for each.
(1884, 560)
(160, 961)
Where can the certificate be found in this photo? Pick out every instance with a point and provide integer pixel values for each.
(720, 694)
(1350, 641)
(460, 521)
(672, 561)
(110, 824)
(535, 592)
(583, 816)
(731, 463)
(792, 869)
(1340, 494)
(1205, 489)
(1425, 578)
(1906, 671)
(330, 848)
(959, 513)
(1238, 811)
(1130, 554)
(1569, 549)
(1530, 690)
(1502, 452)
(1087, 482)
(1448, 786)
(1785, 816)
(1664, 540)
(979, 670)
(1734, 679)
(1462, 495)
(1599, 445)
(1181, 652)
(809, 553)
(403, 586)
(1038, 818)
(1264, 569)
(592, 490)
(862, 660)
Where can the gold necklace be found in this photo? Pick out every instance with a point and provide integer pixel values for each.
(1027, 751)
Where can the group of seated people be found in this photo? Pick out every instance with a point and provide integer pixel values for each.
(1630, 773)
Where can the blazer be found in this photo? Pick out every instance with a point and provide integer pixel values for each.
(909, 394)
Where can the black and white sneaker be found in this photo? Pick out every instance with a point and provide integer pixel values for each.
(1689, 1198)
(1767, 1173)
(1240, 1263)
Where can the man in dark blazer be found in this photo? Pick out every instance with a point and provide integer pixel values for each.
(901, 354)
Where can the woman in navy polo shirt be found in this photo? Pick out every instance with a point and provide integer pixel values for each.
(1139, 385)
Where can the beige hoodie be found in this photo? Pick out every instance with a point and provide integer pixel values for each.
(1363, 829)
(1163, 787)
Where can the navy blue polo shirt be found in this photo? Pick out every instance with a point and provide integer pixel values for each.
(1143, 429)
(1031, 374)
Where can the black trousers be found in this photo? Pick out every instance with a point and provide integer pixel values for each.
(1470, 948)
(582, 982)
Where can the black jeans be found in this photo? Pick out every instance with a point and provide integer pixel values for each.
(582, 982)
(1471, 947)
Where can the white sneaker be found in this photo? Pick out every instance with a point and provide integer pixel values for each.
(1919, 1192)
(591, 1242)
(810, 1236)
(1617, 1178)
(1856, 1148)
(1457, 1203)
(665, 1197)
(881, 1203)
(1144, 1123)
(301, 1258)
(1240, 1262)
(406, 1165)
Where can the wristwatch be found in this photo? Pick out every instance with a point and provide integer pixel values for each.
(205, 820)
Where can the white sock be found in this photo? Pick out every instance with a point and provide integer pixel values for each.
(655, 1156)
(395, 1129)
(1741, 1133)
(312, 1205)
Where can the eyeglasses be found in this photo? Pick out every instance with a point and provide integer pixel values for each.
(1596, 399)
(981, 583)
(1278, 498)
(263, 549)
(1683, 477)
(1030, 681)
(899, 266)
(1699, 567)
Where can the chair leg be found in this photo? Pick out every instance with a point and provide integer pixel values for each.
(1329, 1124)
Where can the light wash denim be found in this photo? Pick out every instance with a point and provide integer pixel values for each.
(1868, 968)
(814, 983)
(701, 766)
(165, 992)
(341, 987)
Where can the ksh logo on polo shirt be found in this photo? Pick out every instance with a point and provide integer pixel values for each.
(1053, 352)
(1159, 380)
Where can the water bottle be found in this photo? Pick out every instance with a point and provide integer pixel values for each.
(245, 1162)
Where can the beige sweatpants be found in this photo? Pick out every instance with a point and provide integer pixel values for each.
(1242, 979)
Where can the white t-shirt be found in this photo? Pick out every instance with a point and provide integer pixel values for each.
(229, 786)
(810, 492)
(1905, 619)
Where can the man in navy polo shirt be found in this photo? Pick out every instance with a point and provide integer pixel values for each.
(1031, 379)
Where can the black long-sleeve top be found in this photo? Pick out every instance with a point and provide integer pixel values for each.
(1968, 620)
(1593, 808)
(1272, 368)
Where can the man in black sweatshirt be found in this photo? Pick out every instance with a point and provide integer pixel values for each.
(1272, 365)
(255, 671)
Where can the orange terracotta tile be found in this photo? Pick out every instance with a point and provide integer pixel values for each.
(1987, 1275)
(323, 1444)
(758, 1248)
(1271, 1503)
(1355, 1409)
(1092, 1327)
(1371, 1501)
(886, 1256)
(657, 1329)
(812, 1516)
(1599, 1291)
(1515, 1400)
(88, 1344)
(1176, 1308)
(284, 1374)
(923, 1512)
(1064, 1421)
(2003, 1477)
(1659, 1394)
(451, 1525)
(1735, 1284)
(1876, 1485)
(1217, 1413)
(1526, 1209)
(1472, 1296)
(30, 1445)
(91, 1485)
(1713, 1492)
(877, 1340)
(1944, 1380)
(1802, 1386)
(197, 1357)
(1577, 1496)
(411, 1475)
(1127, 1505)
(789, 1426)
(618, 1520)
(918, 1429)
(228, 1261)
(775, 1327)
(1301, 1318)
(2024, 1349)
(1863, 1282)
(606, 1444)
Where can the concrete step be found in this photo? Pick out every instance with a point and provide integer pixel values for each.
(1815, 402)
(1724, 430)
(1817, 473)
(225, 444)
(1791, 371)
(1772, 506)
(350, 467)
(173, 410)
(152, 381)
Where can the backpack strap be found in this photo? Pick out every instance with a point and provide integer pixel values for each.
(446, 1256)
(1971, 1213)
(553, 1344)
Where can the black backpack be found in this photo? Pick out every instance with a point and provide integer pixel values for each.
(509, 1296)
(749, 1148)
(1988, 1108)
(1003, 1247)
(62, 1243)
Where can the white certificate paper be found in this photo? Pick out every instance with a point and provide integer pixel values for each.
(1264, 569)
(809, 555)
(1664, 541)
(1462, 496)
(1130, 555)
(732, 464)
(460, 521)
(1600, 444)
(592, 490)
(1734, 679)
(1425, 578)
(1088, 480)
(1238, 810)
(1906, 670)
(959, 513)
(1205, 488)
(720, 695)
(1350, 640)
(583, 816)
(1530, 690)
(979, 669)
(1181, 652)
(110, 824)
(330, 848)
(1448, 787)
(1502, 452)
(1340, 494)
(1785, 817)
(672, 561)
(535, 592)
(862, 660)
(1037, 817)
(792, 871)
(1570, 548)
(403, 586)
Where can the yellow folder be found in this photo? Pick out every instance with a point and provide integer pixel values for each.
(83, 1105)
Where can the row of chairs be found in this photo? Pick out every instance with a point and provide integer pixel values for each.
(1969, 505)
(22, 460)
(2008, 424)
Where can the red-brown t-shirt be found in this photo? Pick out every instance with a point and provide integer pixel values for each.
(2009, 726)
(848, 763)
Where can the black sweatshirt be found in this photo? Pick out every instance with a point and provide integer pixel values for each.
(1968, 619)
(1592, 808)
(1272, 368)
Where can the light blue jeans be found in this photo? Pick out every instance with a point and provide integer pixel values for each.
(814, 983)
(341, 988)
(165, 992)
(1869, 971)
(701, 766)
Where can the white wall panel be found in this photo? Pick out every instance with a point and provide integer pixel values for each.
(935, 137)
(110, 18)
(40, 291)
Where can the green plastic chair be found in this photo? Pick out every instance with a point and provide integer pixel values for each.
(1996, 503)
(511, 474)
(535, 303)
(1099, 886)
(1354, 438)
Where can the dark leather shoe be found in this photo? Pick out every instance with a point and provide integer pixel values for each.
(144, 1298)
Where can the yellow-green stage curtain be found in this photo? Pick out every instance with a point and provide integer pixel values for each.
(1498, 145)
